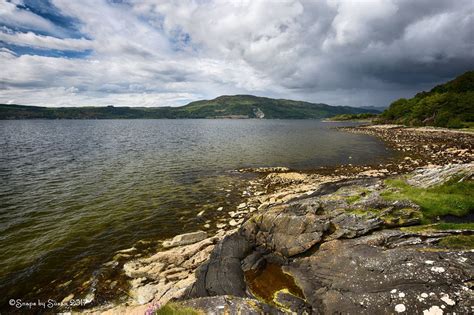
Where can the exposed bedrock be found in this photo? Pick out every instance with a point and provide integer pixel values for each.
(334, 244)
(383, 273)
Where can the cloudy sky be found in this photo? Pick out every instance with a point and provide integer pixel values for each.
(168, 53)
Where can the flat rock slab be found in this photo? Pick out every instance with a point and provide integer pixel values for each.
(185, 239)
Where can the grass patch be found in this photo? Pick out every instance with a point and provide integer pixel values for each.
(394, 218)
(353, 199)
(452, 197)
(177, 309)
(439, 227)
(458, 242)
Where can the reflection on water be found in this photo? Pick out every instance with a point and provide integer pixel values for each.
(74, 192)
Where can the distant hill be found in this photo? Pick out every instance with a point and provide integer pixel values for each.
(263, 107)
(447, 105)
(236, 106)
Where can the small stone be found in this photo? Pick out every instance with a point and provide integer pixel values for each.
(445, 298)
(438, 269)
(424, 295)
(434, 310)
(201, 213)
(128, 250)
(393, 291)
(400, 308)
(220, 208)
(401, 294)
(242, 205)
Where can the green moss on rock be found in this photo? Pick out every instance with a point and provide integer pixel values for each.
(458, 242)
(439, 227)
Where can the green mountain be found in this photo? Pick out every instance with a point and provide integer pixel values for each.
(237, 106)
(263, 107)
(447, 105)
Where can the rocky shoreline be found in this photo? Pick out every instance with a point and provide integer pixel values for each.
(323, 242)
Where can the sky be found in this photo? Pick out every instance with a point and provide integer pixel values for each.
(169, 53)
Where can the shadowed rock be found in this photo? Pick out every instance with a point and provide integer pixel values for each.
(222, 274)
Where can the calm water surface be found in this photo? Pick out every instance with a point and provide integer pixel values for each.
(74, 192)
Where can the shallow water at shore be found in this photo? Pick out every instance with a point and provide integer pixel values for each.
(74, 192)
